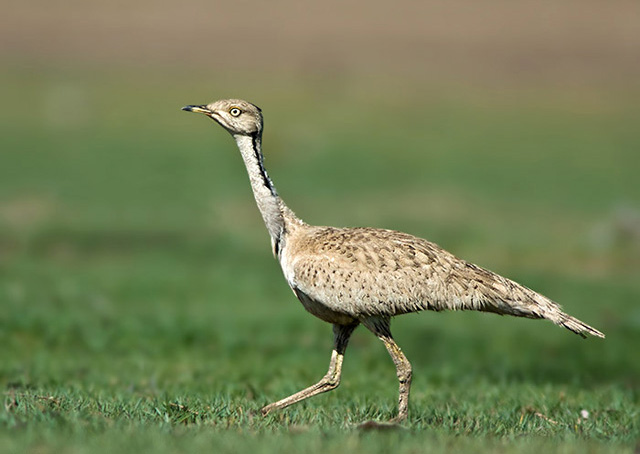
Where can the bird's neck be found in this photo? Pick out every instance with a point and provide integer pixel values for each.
(277, 216)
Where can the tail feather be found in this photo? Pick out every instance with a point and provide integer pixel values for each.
(470, 287)
(543, 307)
(575, 325)
(504, 296)
(551, 310)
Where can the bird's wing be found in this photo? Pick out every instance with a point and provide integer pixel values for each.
(374, 271)
(364, 272)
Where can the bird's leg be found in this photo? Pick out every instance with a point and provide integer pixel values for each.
(341, 335)
(380, 327)
(403, 370)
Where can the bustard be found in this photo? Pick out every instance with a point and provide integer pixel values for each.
(352, 276)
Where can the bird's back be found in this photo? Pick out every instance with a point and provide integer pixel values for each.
(360, 272)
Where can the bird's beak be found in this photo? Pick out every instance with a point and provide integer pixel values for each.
(197, 109)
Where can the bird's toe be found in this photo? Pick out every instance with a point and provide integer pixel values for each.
(380, 426)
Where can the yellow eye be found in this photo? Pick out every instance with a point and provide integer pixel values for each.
(235, 111)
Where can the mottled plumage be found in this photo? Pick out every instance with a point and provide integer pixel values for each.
(360, 272)
(352, 276)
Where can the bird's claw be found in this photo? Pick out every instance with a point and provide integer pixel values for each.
(393, 424)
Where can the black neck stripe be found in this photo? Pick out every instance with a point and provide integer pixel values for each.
(255, 138)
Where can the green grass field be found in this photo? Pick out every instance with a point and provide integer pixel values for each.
(141, 309)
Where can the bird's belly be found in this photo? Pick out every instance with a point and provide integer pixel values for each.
(321, 310)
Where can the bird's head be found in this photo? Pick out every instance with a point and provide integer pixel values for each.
(235, 115)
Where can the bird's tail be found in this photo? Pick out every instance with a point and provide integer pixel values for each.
(546, 308)
(527, 303)
(490, 292)
(575, 325)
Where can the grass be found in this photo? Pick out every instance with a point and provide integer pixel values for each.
(141, 309)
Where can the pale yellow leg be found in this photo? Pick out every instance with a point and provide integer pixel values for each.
(380, 327)
(331, 380)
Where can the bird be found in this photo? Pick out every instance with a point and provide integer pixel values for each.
(365, 276)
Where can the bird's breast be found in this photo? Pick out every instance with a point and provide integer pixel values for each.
(321, 310)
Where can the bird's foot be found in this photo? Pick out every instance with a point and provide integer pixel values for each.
(267, 409)
(398, 419)
(393, 424)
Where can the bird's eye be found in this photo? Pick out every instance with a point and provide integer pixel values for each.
(235, 111)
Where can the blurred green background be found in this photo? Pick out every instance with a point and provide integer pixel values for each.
(140, 307)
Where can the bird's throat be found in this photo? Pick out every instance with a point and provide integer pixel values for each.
(267, 199)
